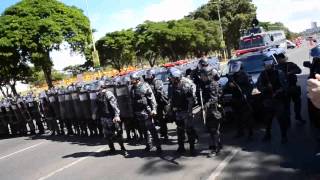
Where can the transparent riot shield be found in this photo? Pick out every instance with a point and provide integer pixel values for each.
(122, 93)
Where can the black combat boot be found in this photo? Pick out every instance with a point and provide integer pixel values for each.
(181, 149)
(267, 137)
(192, 150)
(112, 150)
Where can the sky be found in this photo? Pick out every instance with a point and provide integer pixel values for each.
(111, 15)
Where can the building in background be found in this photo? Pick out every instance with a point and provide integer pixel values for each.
(314, 25)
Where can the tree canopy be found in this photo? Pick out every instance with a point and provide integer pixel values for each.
(235, 15)
(116, 49)
(152, 41)
(36, 27)
(268, 26)
(13, 68)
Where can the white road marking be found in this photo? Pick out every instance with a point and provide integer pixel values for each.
(33, 146)
(216, 173)
(69, 165)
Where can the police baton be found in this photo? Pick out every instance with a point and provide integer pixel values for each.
(202, 108)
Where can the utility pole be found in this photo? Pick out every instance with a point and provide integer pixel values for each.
(95, 55)
(221, 30)
(223, 44)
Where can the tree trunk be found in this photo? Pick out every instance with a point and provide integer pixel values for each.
(13, 89)
(47, 75)
(7, 90)
(2, 91)
(46, 68)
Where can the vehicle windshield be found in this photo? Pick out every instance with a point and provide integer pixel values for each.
(251, 42)
(252, 63)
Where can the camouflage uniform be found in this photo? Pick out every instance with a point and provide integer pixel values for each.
(48, 112)
(33, 108)
(183, 98)
(212, 91)
(162, 101)
(144, 104)
(108, 109)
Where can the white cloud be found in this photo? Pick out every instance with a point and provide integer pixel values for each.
(296, 14)
(128, 18)
(162, 11)
(64, 58)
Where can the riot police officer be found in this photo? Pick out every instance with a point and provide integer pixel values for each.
(241, 87)
(182, 101)
(48, 112)
(110, 118)
(78, 120)
(4, 130)
(291, 70)
(70, 116)
(211, 93)
(85, 109)
(272, 84)
(162, 101)
(145, 108)
(33, 108)
(55, 105)
(95, 120)
(195, 74)
(12, 120)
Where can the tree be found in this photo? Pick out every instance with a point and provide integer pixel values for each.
(235, 15)
(13, 68)
(268, 26)
(75, 69)
(36, 27)
(116, 49)
(176, 39)
(149, 41)
(38, 77)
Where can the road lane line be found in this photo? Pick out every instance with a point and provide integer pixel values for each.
(216, 173)
(69, 165)
(30, 147)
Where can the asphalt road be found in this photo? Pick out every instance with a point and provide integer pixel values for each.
(80, 158)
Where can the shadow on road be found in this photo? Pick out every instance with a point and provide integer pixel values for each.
(296, 160)
(83, 141)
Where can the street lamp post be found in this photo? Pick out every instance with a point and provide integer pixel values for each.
(95, 55)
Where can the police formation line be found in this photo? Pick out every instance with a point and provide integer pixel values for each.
(90, 110)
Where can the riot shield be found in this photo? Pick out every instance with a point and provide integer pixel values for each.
(93, 105)
(111, 88)
(85, 105)
(54, 104)
(76, 106)
(122, 94)
(3, 123)
(62, 107)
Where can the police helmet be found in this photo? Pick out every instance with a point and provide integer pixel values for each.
(84, 89)
(268, 63)
(202, 63)
(210, 72)
(61, 91)
(102, 84)
(235, 66)
(42, 95)
(175, 73)
(135, 76)
(150, 74)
